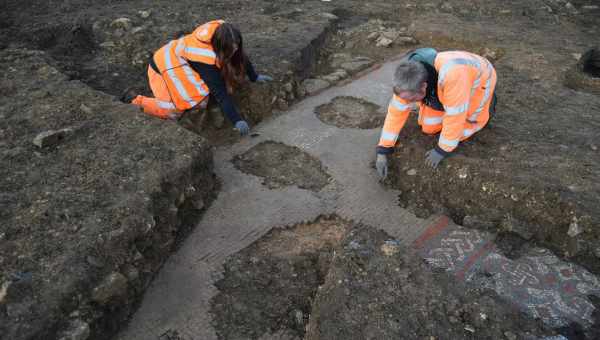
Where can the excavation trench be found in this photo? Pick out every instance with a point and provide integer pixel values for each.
(240, 273)
(126, 190)
(525, 176)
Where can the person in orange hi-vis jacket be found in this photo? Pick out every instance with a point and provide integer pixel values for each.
(454, 92)
(182, 74)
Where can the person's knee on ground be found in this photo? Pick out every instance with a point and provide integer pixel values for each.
(152, 106)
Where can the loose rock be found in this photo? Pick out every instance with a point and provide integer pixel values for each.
(373, 36)
(569, 6)
(390, 247)
(406, 40)
(114, 285)
(144, 14)
(288, 87)
(313, 86)
(282, 104)
(357, 64)
(336, 76)
(122, 23)
(78, 330)
(391, 34)
(50, 137)
(330, 16)
(338, 59)
(299, 317)
(198, 204)
(574, 228)
(86, 109)
(384, 42)
(3, 291)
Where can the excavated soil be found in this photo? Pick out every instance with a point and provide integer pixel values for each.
(269, 287)
(331, 279)
(350, 112)
(281, 165)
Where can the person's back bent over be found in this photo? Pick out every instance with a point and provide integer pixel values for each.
(454, 92)
(184, 72)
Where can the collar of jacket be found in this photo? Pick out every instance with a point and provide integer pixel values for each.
(426, 56)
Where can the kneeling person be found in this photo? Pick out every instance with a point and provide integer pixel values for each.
(183, 73)
(454, 92)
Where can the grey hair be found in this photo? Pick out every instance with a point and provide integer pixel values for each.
(410, 75)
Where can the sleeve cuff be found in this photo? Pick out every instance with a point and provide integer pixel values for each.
(382, 150)
(442, 151)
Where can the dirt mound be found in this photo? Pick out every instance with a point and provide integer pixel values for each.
(351, 112)
(281, 165)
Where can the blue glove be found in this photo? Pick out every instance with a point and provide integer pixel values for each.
(433, 158)
(263, 78)
(242, 127)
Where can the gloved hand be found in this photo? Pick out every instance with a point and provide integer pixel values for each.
(175, 116)
(263, 78)
(433, 158)
(242, 127)
(382, 166)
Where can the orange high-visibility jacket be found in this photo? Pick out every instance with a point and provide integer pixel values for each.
(465, 85)
(185, 85)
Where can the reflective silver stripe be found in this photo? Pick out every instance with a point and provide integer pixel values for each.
(174, 78)
(389, 136)
(165, 105)
(459, 61)
(188, 71)
(197, 84)
(179, 47)
(451, 143)
(470, 132)
(400, 106)
(433, 120)
(456, 110)
(200, 51)
(486, 95)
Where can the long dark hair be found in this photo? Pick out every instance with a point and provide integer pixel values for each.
(233, 64)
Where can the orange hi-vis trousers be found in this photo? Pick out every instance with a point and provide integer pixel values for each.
(161, 105)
